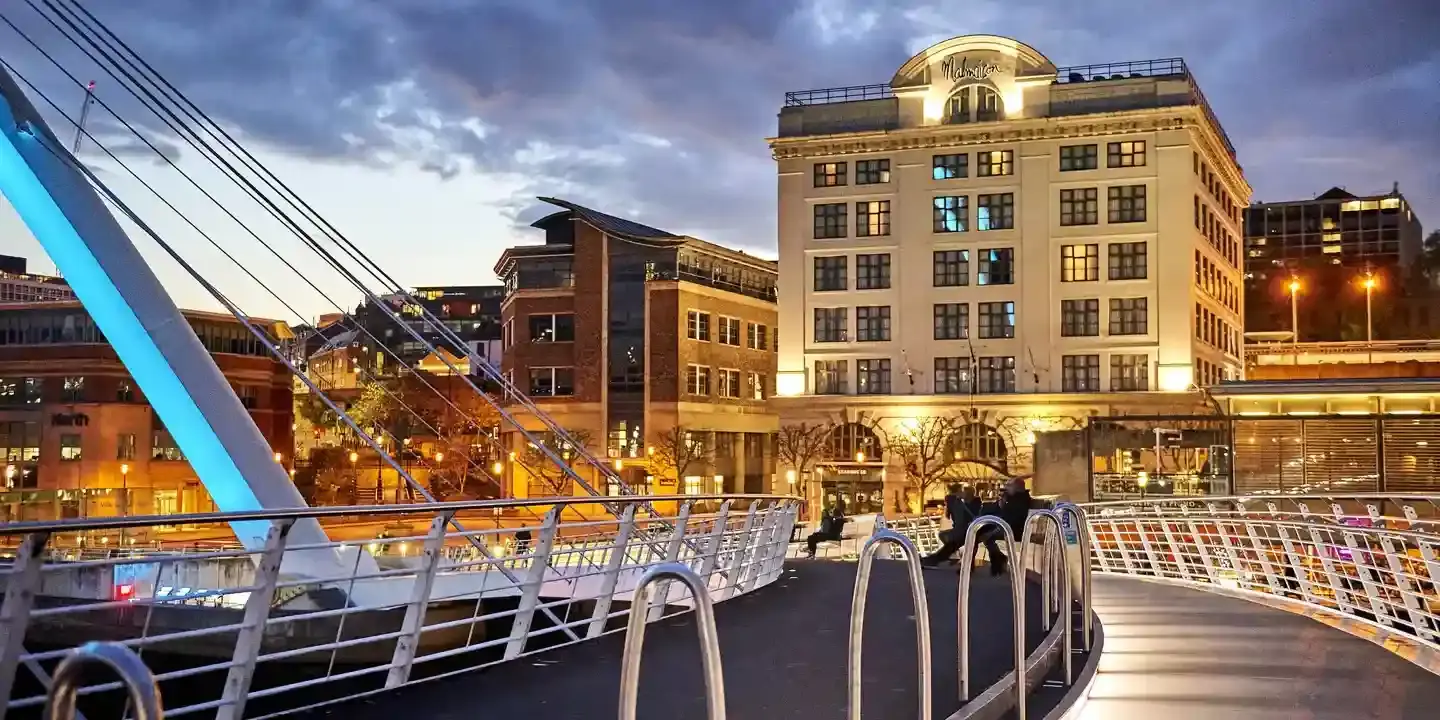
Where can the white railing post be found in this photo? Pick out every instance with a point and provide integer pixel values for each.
(1293, 558)
(252, 633)
(760, 556)
(408, 644)
(530, 588)
(21, 585)
(613, 566)
(737, 559)
(711, 559)
(672, 554)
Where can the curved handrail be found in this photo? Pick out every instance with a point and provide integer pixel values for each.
(134, 521)
(139, 682)
(1082, 533)
(1017, 598)
(635, 640)
(1192, 499)
(1032, 522)
(857, 618)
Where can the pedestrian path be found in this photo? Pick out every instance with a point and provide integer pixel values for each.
(1180, 654)
(783, 649)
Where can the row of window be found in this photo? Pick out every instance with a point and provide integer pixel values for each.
(705, 381)
(988, 163)
(1208, 373)
(996, 266)
(1210, 278)
(30, 391)
(1215, 331)
(995, 211)
(984, 375)
(1078, 318)
(757, 336)
(1123, 204)
(1215, 232)
(1216, 188)
(952, 322)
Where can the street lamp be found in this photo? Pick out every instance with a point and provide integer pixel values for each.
(125, 488)
(860, 456)
(1294, 287)
(354, 456)
(9, 476)
(1369, 284)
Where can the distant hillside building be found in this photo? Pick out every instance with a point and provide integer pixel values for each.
(17, 285)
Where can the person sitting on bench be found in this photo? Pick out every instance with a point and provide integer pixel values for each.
(830, 528)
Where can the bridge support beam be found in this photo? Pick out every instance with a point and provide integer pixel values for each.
(127, 302)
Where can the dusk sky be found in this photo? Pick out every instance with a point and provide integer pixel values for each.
(424, 129)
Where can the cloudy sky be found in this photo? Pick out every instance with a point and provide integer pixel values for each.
(423, 129)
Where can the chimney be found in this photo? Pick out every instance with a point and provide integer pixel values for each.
(1396, 189)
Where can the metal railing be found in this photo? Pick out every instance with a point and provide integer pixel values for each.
(1057, 587)
(850, 93)
(1370, 558)
(704, 625)
(140, 688)
(877, 542)
(272, 642)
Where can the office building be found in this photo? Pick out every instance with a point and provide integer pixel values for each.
(18, 285)
(79, 438)
(627, 335)
(1327, 248)
(992, 237)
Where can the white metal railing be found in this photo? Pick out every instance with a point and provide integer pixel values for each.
(458, 601)
(1373, 558)
(1045, 548)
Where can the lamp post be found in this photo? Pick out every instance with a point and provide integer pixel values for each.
(1369, 284)
(1294, 287)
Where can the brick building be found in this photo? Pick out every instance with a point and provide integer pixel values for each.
(77, 435)
(639, 339)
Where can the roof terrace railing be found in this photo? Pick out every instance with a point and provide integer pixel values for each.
(823, 96)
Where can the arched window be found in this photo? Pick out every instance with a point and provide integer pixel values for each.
(975, 103)
(990, 106)
(849, 441)
(981, 443)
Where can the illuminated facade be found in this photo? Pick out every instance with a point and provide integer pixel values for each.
(627, 335)
(988, 233)
(79, 436)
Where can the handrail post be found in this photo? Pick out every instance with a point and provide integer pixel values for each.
(1017, 599)
(1082, 535)
(139, 683)
(408, 644)
(22, 584)
(1031, 523)
(880, 539)
(635, 640)
(252, 634)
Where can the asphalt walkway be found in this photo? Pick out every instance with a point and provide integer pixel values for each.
(783, 649)
(1180, 654)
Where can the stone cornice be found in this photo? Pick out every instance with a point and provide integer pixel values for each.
(1180, 117)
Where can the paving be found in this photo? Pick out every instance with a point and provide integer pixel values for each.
(783, 649)
(1180, 654)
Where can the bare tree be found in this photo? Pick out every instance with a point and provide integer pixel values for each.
(538, 463)
(799, 446)
(675, 452)
(925, 447)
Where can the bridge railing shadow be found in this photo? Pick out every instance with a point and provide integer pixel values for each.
(237, 633)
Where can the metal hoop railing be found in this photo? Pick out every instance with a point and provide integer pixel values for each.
(1054, 565)
(881, 538)
(1082, 535)
(139, 682)
(635, 640)
(1017, 599)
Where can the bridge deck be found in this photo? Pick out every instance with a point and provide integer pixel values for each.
(783, 650)
(1171, 652)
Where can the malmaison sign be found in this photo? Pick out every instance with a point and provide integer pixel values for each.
(958, 68)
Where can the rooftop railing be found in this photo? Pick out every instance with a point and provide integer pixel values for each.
(825, 96)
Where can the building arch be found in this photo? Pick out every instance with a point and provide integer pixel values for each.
(849, 442)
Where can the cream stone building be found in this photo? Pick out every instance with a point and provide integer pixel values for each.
(991, 238)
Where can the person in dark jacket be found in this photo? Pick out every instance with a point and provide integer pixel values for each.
(1013, 507)
(961, 507)
(830, 528)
